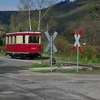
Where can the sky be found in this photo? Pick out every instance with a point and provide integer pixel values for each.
(12, 4)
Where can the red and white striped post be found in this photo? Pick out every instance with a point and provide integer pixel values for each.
(77, 44)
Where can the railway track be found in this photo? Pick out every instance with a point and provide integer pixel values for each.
(84, 67)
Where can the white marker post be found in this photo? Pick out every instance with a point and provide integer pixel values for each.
(77, 44)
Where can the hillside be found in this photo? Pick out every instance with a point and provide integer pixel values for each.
(59, 8)
(5, 16)
(63, 18)
(85, 15)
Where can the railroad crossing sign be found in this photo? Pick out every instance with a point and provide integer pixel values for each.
(77, 37)
(51, 39)
(51, 45)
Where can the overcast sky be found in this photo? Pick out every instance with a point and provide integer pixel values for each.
(12, 4)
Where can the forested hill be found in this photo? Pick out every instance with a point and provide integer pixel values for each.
(5, 16)
(62, 17)
(66, 6)
(60, 8)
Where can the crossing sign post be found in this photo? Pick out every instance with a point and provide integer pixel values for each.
(77, 44)
(51, 45)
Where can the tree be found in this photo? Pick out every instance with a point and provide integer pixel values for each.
(40, 5)
(26, 6)
(12, 23)
(93, 20)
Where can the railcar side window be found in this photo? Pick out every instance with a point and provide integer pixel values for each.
(15, 39)
(11, 40)
(23, 39)
(33, 39)
(7, 40)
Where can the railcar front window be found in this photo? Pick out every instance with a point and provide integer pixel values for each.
(33, 39)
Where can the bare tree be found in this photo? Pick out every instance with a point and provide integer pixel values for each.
(39, 4)
(26, 5)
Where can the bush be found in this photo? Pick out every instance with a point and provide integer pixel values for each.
(90, 53)
(68, 52)
(2, 49)
(60, 44)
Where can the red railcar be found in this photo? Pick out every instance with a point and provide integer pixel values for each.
(23, 44)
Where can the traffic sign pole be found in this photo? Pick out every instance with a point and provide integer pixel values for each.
(77, 57)
(51, 52)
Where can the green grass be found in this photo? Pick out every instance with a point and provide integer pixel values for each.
(83, 62)
(2, 54)
(2, 50)
(70, 71)
(90, 62)
(41, 64)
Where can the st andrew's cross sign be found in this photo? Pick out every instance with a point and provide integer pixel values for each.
(77, 37)
(51, 44)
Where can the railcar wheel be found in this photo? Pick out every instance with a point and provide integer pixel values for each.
(40, 55)
(11, 55)
(22, 56)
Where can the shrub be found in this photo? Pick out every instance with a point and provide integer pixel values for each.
(89, 53)
(2, 49)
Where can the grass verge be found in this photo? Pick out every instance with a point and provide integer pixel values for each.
(70, 71)
(40, 64)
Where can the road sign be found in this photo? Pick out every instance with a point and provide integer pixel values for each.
(51, 45)
(51, 39)
(77, 44)
(77, 37)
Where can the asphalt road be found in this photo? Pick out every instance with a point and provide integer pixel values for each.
(17, 83)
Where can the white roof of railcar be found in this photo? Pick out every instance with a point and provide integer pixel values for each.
(22, 32)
